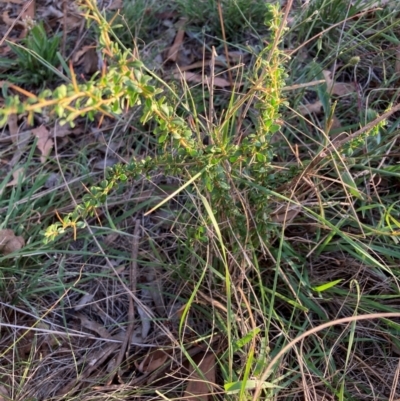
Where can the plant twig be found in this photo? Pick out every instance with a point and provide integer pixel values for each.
(339, 143)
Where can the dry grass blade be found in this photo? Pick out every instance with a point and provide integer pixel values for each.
(153, 361)
(174, 49)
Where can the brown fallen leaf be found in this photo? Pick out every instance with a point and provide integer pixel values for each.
(45, 142)
(152, 361)
(337, 88)
(197, 78)
(305, 109)
(9, 243)
(284, 214)
(9, 21)
(174, 49)
(27, 16)
(17, 175)
(88, 57)
(201, 64)
(93, 326)
(91, 61)
(115, 5)
(201, 386)
(30, 11)
(60, 131)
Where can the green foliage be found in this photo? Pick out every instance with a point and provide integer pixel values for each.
(35, 57)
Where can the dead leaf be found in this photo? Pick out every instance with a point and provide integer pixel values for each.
(197, 78)
(237, 55)
(200, 64)
(72, 21)
(9, 21)
(115, 5)
(152, 361)
(17, 176)
(91, 61)
(52, 12)
(285, 214)
(337, 88)
(60, 131)
(305, 109)
(83, 301)
(93, 326)
(30, 11)
(45, 142)
(174, 49)
(201, 386)
(27, 17)
(9, 243)
(88, 57)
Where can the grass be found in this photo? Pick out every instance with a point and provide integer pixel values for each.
(268, 246)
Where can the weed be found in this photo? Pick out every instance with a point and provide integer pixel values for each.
(126, 84)
(36, 57)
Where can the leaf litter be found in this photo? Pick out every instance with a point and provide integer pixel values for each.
(201, 380)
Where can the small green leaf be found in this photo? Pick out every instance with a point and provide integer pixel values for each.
(326, 286)
(246, 339)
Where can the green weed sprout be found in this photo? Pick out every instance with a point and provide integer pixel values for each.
(36, 57)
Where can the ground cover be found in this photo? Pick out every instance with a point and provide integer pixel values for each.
(199, 200)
